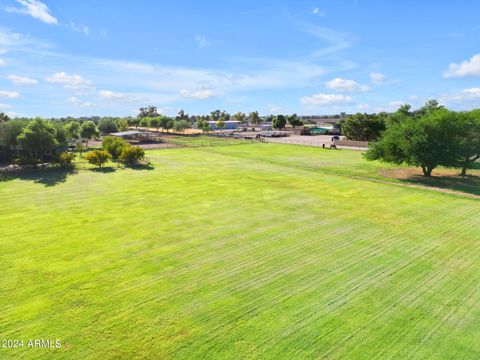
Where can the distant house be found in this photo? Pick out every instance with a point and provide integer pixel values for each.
(319, 120)
(324, 130)
(229, 125)
(266, 127)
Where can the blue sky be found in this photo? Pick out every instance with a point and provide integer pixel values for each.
(60, 58)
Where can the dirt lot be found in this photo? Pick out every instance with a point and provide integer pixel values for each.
(317, 140)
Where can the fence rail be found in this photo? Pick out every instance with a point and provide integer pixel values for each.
(353, 145)
(205, 141)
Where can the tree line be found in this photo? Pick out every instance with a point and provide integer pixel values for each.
(429, 137)
(37, 141)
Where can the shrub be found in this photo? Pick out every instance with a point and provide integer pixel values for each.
(131, 155)
(25, 160)
(98, 157)
(113, 145)
(65, 159)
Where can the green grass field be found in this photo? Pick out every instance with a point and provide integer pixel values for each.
(203, 140)
(256, 251)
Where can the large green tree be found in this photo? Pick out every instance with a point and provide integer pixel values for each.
(107, 126)
(9, 132)
(38, 138)
(134, 122)
(155, 122)
(240, 117)
(149, 111)
(430, 105)
(202, 124)
(427, 141)
(279, 122)
(122, 125)
(468, 139)
(254, 118)
(181, 125)
(166, 123)
(73, 129)
(363, 127)
(88, 131)
(293, 120)
(182, 116)
(3, 117)
(220, 123)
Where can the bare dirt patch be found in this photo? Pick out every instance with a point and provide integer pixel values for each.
(445, 180)
(158, 145)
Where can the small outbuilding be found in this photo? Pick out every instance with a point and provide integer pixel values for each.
(136, 135)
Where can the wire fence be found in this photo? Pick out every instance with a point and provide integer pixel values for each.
(322, 144)
(205, 141)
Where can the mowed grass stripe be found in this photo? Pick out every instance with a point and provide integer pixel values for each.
(228, 262)
(401, 296)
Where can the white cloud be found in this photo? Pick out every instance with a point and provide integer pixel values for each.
(377, 78)
(78, 102)
(469, 67)
(274, 109)
(163, 84)
(363, 106)
(21, 80)
(200, 94)
(396, 103)
(79, 28)
(344, 85)
(13, 114)
(34, 8)
(472, 91)
(466, 96)
(73, 82)
(236, 100)
(202, 41)
(162, 110)
(325, 99)
(9, 94)
(318, 12)
(2, 63)
(337, 41)
(116, 96)
(10, 41)
(5, 106)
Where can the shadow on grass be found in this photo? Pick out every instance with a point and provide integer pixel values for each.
(141, 167)
(106, 169)
(47, 177)
(468, 184)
